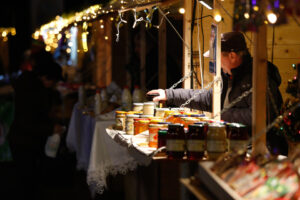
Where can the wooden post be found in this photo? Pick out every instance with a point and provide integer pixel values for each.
(187, 17)
(143, 56)
(259, 91)
(217, 85)
(162, 55)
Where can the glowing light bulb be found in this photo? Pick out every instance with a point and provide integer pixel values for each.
(48, 48)
(256, 8)
(272, 18)
(246, 15)
(111, 19)
(106, 38)
(218, 18)
(68, 50)
(181, 10)
(102, 26)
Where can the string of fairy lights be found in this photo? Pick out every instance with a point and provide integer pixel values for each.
(6, 32)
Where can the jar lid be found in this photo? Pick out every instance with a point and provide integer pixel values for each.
(162, 109)
(155, 125)
(144, 121)
(180, 115)
(162, 131)
(146, 116)
(132, 116)
(149, 103)
(236, 125)
(138, 104)
(164, 123)
(175, 125)
(198, 115)
(216, 125)
(120, 112)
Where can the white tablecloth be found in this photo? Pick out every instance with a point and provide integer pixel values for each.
(99, 153)
(79, 137)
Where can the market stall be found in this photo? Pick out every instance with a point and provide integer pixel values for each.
(118, 135)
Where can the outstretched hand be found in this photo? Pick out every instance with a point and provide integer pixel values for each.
(160, 95)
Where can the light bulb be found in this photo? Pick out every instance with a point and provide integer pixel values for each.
(246, 15)
(218, 18)
(272, 18)
(181, 10)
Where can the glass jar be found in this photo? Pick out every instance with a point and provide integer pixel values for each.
(162, 137)
(138, 106)
(216, 140)
(189, 120)
(196, 141)
(129, 129)
(160, 112)
(175, 141)
(120, 117)
(238, 137)
(164, 124)
(153, 135)
(178, 119)
(148, 108)
(140, 125)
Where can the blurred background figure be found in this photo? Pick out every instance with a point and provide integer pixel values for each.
(35, 98)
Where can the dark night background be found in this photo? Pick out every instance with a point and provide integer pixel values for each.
(28, 15)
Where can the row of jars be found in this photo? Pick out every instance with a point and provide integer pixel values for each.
(203, 139)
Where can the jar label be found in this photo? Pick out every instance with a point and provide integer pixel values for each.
(238, 145)
(153, 137)
(129, 128)
(216, 146)
(175, 145)
(196, 145)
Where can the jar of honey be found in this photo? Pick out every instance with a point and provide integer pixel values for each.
(140, 125)
(162, 137)
(153, 135)
(129, 129)
(238, 135)
(216, 140)
(175, 142)
(196, 141)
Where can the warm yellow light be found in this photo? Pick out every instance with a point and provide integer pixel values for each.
(106, 37)
(84, 41)
(266, 22)
(13, 32)
(246, 15)
(272, 18)
(256, 8)
(5, 39)
(68, 50)
(59, 36)
(181, 10)
(48, 48)
(4, 34)
(70, 44)
(111, 19)
(75, 24)
(101, 26)
(218, 18)
(101, 21)
(110, 6)
(68, 35)
(55, 45)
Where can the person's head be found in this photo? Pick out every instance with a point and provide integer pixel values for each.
(233, 49)
(49, 73)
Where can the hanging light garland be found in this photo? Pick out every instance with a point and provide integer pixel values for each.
(5, 32)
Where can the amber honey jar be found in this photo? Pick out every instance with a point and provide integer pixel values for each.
(196, 141)
(175, 141)
(140, 125)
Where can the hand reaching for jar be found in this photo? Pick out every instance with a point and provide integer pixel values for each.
(157, 95)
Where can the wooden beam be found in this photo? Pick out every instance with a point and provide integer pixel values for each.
(187, 38)
(217, 86)
(162, 55)
(259, 91)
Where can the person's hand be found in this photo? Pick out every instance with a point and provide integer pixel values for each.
(160, 95)
(59, 129)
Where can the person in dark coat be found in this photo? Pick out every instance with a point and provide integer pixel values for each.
(35, 96)
(236, 63)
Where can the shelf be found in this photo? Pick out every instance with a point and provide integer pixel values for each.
(215, 184)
